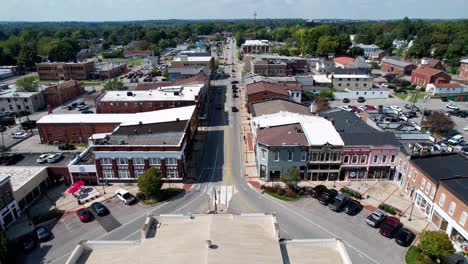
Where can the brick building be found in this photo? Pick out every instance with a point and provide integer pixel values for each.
(463, 74)
(396, 66)
(108, 70)
(65, 70)
(184, 61)
(151, 100)
(263, 91)
(437, 184)
(425, 75)
(137, 53)
(274, 65)
(256, 46)
(57, 94)
(160, 139)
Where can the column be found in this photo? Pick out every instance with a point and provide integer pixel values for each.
(163, 168)
(147, 166)
(180, 168)
(115, 169)
(130, 168)
(99, 175)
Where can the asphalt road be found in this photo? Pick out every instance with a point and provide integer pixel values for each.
(220, 167)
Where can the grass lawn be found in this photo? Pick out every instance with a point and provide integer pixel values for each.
(419, 97)
(282, 197)
(164, 195)
(402, 96)
(151, 201)
(411, 255)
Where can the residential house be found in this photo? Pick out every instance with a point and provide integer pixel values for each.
(379, 55)
(439, 89)
(424, 75)
(392, 65)
(369, 50)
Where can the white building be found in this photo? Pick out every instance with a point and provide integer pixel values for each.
(446, 89)
(368, 49)
(359, 85)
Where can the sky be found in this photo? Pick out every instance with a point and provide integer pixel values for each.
(118, 10)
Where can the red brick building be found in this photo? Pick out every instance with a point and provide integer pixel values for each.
(151, 100)
(57, 94)
(425, 75)
(397, 66)
(256, 46)
(194, 80)
(263, 91)
(463, 74)
(65, 70)
(137, 53)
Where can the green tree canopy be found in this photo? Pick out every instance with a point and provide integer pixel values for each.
(439, 123)
(27, 84)
(63, 51)
(114, 85)
(436, 244)
(27, 56)
(150, 182)
(291, 176)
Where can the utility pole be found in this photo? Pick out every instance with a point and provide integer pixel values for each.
(255, 25)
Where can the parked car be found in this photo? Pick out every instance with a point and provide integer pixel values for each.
(376, 218)
(2, 128)
(125, 196)
(339, 202)
(361, 99)
(83, 214)
(27, 242)
(346, 108)
(353, 207)
(99, 209)
(395, 107)
(20, 135)
(82, 107)
(455, 140)
(234, 82)
(402, 91)
(410, 114)
(87, 111)
(13, 159)
(234, 109)
(66, 146)
(390, 227)
(427, 112)
(42, 234)
(450, 134)
(405, 237)
(346, 100)
(453, 107)
(465, 128)
(317, 190)
(444, 99)
(327, 196)
(54, 157)
(43, 158)
(29, 124)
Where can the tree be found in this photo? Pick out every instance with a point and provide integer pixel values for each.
(326, 44)
(63, 51)
(355, 52)
(150, 182)
(436, 244)
(291, 176)
(321, 103)
(326, 94)
(27, 57)
(27, 84)
(114, 85)
(439, 123)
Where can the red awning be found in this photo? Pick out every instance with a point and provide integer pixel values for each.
(78, 184)
(73, 189)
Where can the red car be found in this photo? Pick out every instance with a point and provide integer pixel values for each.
(83, 214)
(390, 227)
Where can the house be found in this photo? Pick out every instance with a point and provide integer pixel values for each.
(426, 75)
(393, 65)
(285, 140)
(62, 92)
(353, 86)
(65, 70)
(438, 184)
(379, 55)
(463, 74)
(428, 62)
(263, 91)
(361, 67)
(256, 46)
(439, 89)
(13, 101)
(369, 50)
(342, 62)
(137, 53)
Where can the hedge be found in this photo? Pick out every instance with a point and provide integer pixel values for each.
(351, 193)
(387, 208)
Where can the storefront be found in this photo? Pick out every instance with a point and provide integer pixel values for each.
(353, 173)
(423, 203)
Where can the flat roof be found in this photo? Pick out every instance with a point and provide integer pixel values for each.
(194, 58)
(321, 78)
(319, 251)
(160, 116)
(20, 175)
(182, 239)
(169, 93)
(276, 105)
(256, 42)
(360, 76)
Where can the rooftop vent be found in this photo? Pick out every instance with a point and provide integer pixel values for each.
(140, 123)
(129, 94)
(122, 142)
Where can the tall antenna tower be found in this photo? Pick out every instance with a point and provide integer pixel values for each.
(255, 25)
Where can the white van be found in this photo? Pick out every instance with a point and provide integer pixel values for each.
(455, 139)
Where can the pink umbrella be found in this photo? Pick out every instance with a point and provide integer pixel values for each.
(73, 189)
(78, 184)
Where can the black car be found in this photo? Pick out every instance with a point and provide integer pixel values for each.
(42, 234)
(346, 100)
(66, 146)
(317, 190)
(404, 237)
(27, 242)
(427, 112)
(353, 207)
(361, 99)
(410, 114)
(327, 196)
(444, 99)
(13, 159)
(235, 95)
(234, 82)
(234, 109)
(99, 209)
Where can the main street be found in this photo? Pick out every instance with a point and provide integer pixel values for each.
(220, 170)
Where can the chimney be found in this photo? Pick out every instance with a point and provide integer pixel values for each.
(49, 109)
(140, 123)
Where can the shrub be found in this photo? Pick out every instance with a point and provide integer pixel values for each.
(436, 244)
(387, 208)
(52, 214)
(290, 193)
(351, 193)
(141, 196)
(169, 193)
(280, 191)
(423, 259)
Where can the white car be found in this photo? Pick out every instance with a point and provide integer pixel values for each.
(346, 108)
(465, 128)
(54, 157)
(453, 107)
(19, 135)
(124, 196)
(43, 158)
(395, 107)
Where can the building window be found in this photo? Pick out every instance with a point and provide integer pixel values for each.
(442, 199)
(376, 158)
(428, 187)
(171, 161)
(106, 161)
(355, 159)
(138, 173)
(414, 175)
(138, 161)
(433, 192)
(124, 174)
(108, 174)
(277, 154)
(264, 152)
(121, 161)
(155, 161)
(290, 155)
(392, 159)
(363, 159)
(303, 155)
(463, 218)
(346, 159)
(384, 159)
(423, 182)
(452, 208)
(171, 174)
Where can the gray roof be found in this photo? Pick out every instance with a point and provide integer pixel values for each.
(458, 187)
(372, 138)
(278, 105)
(169, 139)
(396, 62)
(346, 121)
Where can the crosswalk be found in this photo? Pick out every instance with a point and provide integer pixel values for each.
(222, 194)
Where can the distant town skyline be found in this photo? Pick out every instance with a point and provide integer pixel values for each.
(124, 10)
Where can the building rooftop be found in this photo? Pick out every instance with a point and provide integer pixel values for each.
(263, 86)
(268, 56)
(439, 167)
(285, 135)
(160, 139)
(20, 175)
(109, 65)
(278, 105)
(464, 61)
(314, 251)
(256, 42)
(447, 85)
(344, 76)
(200, 78)
(345, 121)
(370, 138)
(427, 71)
(343, 60)
(458, 187)
(161, 116)
(396, 62)
(193, 58)
(254, 78)
(317, 130)
(168, 93)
